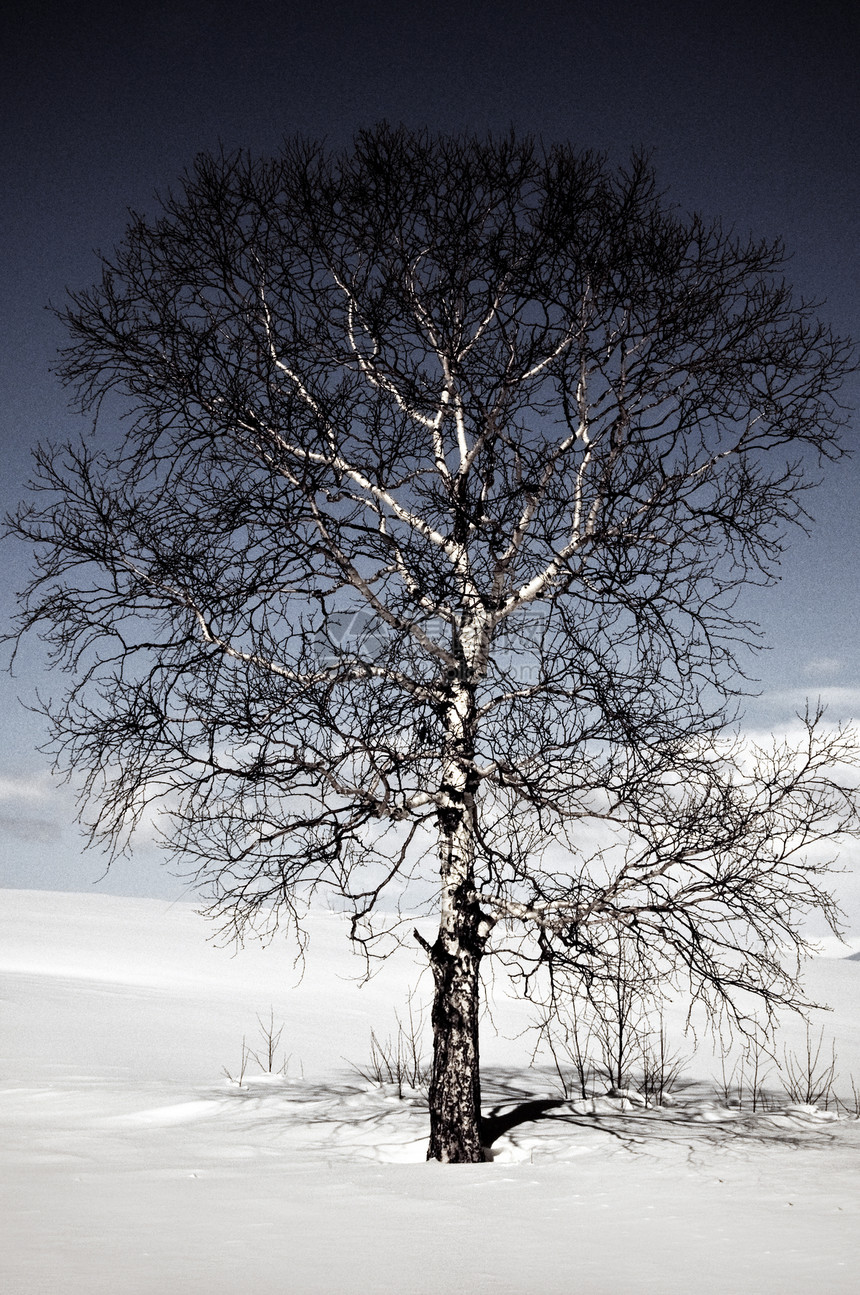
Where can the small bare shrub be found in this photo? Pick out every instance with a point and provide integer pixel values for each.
(851, 1107)
(760, 1062)
(239, 1077)
(266, 1057)
(568, 1042)
(743, 1085)
(609, 1035)
(270, 1036)
(807, 1076)
(660, 1065)
(398, 1061)
(620, 1021)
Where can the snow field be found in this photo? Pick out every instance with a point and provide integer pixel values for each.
(132, 1164)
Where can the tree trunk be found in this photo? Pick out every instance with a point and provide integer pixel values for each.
(455, 1085)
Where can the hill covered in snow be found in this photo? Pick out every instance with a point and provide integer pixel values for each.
(149, 1150)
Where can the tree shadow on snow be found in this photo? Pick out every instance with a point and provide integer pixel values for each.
(502, 1119)
(694, 1119)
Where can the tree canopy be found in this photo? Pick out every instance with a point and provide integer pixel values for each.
(443, 463)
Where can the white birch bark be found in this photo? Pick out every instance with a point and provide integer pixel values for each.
(455, 1091)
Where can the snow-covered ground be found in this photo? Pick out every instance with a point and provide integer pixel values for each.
(132, 1164)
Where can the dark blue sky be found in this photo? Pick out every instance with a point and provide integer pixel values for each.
(752, 112)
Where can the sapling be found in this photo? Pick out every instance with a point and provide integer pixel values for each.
(807, 1076)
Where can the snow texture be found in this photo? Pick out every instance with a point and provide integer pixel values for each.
(132, 1163)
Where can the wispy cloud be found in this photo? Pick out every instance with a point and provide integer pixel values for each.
(18, 787)
(34, 808)
(841, 703)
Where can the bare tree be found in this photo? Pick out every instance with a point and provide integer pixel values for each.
(443, 463)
